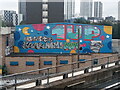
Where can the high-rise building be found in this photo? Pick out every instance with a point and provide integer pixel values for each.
(46, 11)
(7, 16)
(86, 8)
(0, 20)
(10, 18)
(69, 9)
(17, 19)
(98, 9)
(119, 10)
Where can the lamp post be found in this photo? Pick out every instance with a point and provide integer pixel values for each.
(78, 46)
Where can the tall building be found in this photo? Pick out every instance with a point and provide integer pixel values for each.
(7, 16)
(119, 10)
(46, 11)
(10, 18)
(86, 8)
(17, 19)
(0, 20)
(98, 9)
(69, 9)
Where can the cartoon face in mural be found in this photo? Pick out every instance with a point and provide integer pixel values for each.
(96, 45)
(62, 38)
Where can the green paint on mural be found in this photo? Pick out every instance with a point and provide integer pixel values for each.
(70, 45)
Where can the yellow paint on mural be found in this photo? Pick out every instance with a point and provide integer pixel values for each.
(72, 51)
(108, 29)
(16, 49)
(25, 30)
(0, 71)
(67, 40)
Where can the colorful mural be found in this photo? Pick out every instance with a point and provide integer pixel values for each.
(62, 38)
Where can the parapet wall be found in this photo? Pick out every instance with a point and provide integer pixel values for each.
(19, 64)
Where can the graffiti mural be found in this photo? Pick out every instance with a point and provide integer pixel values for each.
(62, 38)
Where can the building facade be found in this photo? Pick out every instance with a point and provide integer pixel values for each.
(17, 19)
(119, 10)
(69, 9)
(7, 17)
(10, 18)
(46, 11)
(86, 8)
(6, 43)
(98, 9)
(40, 46)
(0, 20)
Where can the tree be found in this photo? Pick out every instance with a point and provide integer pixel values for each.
(82, 21)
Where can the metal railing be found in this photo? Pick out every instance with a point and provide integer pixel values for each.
(51, 74)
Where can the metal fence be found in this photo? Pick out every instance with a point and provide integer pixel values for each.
(48, 75)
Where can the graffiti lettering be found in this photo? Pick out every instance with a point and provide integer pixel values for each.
(71, 33)
(91, 32)
(51, 45)
(40, 38)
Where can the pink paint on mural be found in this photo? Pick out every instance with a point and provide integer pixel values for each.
(102, 37)
(83, 45)
(39, 27)
(30, 51)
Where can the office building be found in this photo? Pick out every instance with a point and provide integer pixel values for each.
(69, 9)
(10, 18)
(98, 9)
(86, 8)
(119, 10)
(17, 19)
(7, 16)
(0, 20)
(46, 11)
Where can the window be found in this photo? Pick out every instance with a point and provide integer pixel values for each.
(47, 62)
(45, 6)
(63, 61)
(13, 63)
(45, 13)
(29, 63)
(45, 20)
(95, 61)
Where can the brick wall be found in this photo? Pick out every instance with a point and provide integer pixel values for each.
(39, 62)
(22, 64)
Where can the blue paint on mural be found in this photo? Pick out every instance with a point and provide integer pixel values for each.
(62, 38)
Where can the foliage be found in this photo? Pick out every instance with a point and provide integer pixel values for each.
(0, 66)
(82, 21)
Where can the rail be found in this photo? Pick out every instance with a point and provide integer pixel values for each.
(51, 74)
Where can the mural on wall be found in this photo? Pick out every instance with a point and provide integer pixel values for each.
(62, 38)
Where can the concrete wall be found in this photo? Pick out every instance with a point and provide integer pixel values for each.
(116, 45)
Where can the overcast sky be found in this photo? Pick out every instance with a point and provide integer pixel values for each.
(110, 6)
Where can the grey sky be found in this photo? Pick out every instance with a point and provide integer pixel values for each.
(110, 6)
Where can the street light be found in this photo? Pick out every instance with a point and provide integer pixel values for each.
(78, 45)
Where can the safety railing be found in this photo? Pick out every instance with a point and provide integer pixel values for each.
(55, 73)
